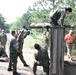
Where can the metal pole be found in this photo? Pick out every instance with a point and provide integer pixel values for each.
(57, 50)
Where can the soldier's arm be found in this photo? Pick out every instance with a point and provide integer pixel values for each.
(36, 56)
(18, 37)
(45, 47)
(15, 44)
(6, 37)
(62, 18)
(25, 34)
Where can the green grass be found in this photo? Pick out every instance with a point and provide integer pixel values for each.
(29, 41)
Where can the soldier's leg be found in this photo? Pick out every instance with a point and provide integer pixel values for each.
(54, 22)
(46, 69)
(4, 45)
(35, 68)
(14, 65)
(10, 66)
(69, 47)
(22, 59)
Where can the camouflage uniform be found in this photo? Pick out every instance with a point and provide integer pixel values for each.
(56, 15)
(20, 40)
(41, 59)
(47, 36)
(3, 39)
(3, 55)
(13, 55)
(2, 52)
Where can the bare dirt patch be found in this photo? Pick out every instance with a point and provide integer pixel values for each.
(29, 58)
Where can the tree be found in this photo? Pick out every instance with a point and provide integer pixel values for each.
(48, 5)
(17, 24)
(39, 17)
(40, 10)
(2, 22)
(25, 19)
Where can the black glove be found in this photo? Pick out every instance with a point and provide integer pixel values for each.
(18, 53)
(28, 33)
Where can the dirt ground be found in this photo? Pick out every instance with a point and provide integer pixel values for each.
(29, 58)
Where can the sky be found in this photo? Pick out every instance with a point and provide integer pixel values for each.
(11, 9)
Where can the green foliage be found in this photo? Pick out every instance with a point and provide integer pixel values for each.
(35, 37)
(29, 42)
(38, 35)
(73, 52)
(39, 13)
(71, 18)
(39, 17)
(25, 19)
(16, 24)
(2, 22)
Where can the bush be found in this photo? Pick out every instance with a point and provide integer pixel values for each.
(74, 52)
(31, 40)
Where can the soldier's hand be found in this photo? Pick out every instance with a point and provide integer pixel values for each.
(28, 33)
(18, 53)
(6, 58)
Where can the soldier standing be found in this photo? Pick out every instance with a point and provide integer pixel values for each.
(47, 35)
(3, 39)
(42, 58)
(13, 54)
(20, 40)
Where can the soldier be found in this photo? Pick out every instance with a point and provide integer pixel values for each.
(3, 55)
(59, 14)
(47, 35)
(3, 39)
(42, 58)
(13, 54)
(20, 39)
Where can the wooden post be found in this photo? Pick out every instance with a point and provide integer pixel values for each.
(57, 50)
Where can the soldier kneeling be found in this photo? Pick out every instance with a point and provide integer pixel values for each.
(42, 58)
(3, 55)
